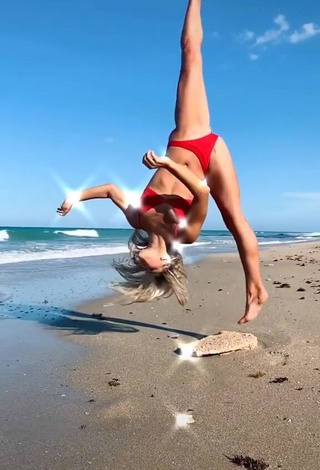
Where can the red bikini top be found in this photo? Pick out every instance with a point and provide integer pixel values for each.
(150, 199)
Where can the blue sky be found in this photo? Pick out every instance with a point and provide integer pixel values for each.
(88, 86)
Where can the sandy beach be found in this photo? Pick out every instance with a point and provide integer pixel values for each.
(130, 384)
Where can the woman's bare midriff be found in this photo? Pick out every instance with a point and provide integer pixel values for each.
(163, 182)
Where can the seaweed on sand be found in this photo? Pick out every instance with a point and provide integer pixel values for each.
(245, 461)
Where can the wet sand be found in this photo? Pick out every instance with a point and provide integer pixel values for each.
(131, 383)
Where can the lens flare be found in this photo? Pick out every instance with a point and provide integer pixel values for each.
(183, 223)
(186, 351)
(185, 357)
(183, 419)
(177, 246)
(74, 198)
(132, 198)
(72, 195)
(163, 151)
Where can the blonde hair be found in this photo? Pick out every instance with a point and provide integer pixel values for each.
(141, 285)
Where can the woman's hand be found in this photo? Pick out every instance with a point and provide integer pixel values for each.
(151, 161)
(65, 208)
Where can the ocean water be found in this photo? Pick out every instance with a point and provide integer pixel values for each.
(26, 245)
(68, 266)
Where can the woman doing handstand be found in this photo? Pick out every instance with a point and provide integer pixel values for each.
(174, 205)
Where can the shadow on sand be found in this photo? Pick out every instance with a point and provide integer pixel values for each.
(77, 323)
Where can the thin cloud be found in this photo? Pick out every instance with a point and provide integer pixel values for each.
(215, 35)
(276, 34)
(109, 140)
(311, 196)
(279, 34)
(246, 36)
(307, 31)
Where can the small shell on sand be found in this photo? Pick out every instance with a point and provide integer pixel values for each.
(225, 342)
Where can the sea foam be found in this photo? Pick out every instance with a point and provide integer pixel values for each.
(4, 235)
(20, 257)
(79, 233)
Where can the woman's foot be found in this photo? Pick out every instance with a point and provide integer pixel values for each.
(255, 301)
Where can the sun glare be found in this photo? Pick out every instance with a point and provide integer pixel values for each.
(183, 223)
(183, 419)
(162, 151)
(132, 198)
(73, 195)
(177, 246)
(186, 351)
(74, 198)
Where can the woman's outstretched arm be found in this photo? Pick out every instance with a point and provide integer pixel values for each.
(108, 191)
(105, 191)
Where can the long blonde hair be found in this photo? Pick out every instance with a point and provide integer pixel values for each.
(143, 286)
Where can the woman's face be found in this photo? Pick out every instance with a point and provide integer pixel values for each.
(156, 261)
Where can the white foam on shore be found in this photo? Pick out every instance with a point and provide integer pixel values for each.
(20, 257)
(313, 234)
(280, 242)
(79, 233)
(200, 243)
(224, 242)
(4, 235)
(309, 236)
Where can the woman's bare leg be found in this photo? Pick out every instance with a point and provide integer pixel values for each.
(192, 112)
(224, 186)
(193, 121)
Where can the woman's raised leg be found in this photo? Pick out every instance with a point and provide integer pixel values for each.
(192, 111)
(193, 121)
(224, 187)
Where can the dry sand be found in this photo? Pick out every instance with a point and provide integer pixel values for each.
(118, 408)
(262, 403)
